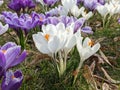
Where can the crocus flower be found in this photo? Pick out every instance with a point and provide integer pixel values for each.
(86, 49)
(11, 19)
(1, 2)
(25, 21)
(49, 41)
(68, 20)
(10, 55)
(103, 10)
(67, 4)
(12, 80)
(79, 25)
(17, 5)
(76, 11)
(56, 39)
(53, 12)
(40, 19)
(3, 29)
(92, 4)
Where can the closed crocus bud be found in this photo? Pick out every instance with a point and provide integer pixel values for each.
(12, 80)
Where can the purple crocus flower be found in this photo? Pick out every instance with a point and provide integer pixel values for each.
(40, 18)
(25, 22)
(12, 80)
(92, 4)
(67, 20)
(11, 19)
(52, 12)
(79, 24)
(10, 55)
(50, 2)
(17, 5)
(53, 20)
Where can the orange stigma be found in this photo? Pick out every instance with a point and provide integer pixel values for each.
(12, 76)
(90, 43)
(47, 36)
(41, 19)
(3, 51)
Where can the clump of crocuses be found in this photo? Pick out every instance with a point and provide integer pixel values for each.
(10, 56)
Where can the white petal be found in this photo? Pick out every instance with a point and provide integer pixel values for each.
(75, 11)
(53, 44)
(95, 48)
(50, 29)
(39, 38)
(86, 42)
(3, 29)
(70, 44)
(60, 27)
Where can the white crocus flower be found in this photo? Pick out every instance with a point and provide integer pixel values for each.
(102, 10)
(4, 28)
(49, 41)
(75, 11)
(56, 41)
(86, 49)
(87, 15)
(68, 4)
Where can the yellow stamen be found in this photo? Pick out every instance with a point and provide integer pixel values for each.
(47, 36)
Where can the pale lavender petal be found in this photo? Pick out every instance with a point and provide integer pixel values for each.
(87, 29)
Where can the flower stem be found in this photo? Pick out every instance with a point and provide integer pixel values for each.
(22, 39)
(77, 71)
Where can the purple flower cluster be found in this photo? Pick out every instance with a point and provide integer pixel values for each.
(11, 55)
(24, 21)
(68, 20)
(27, 22)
